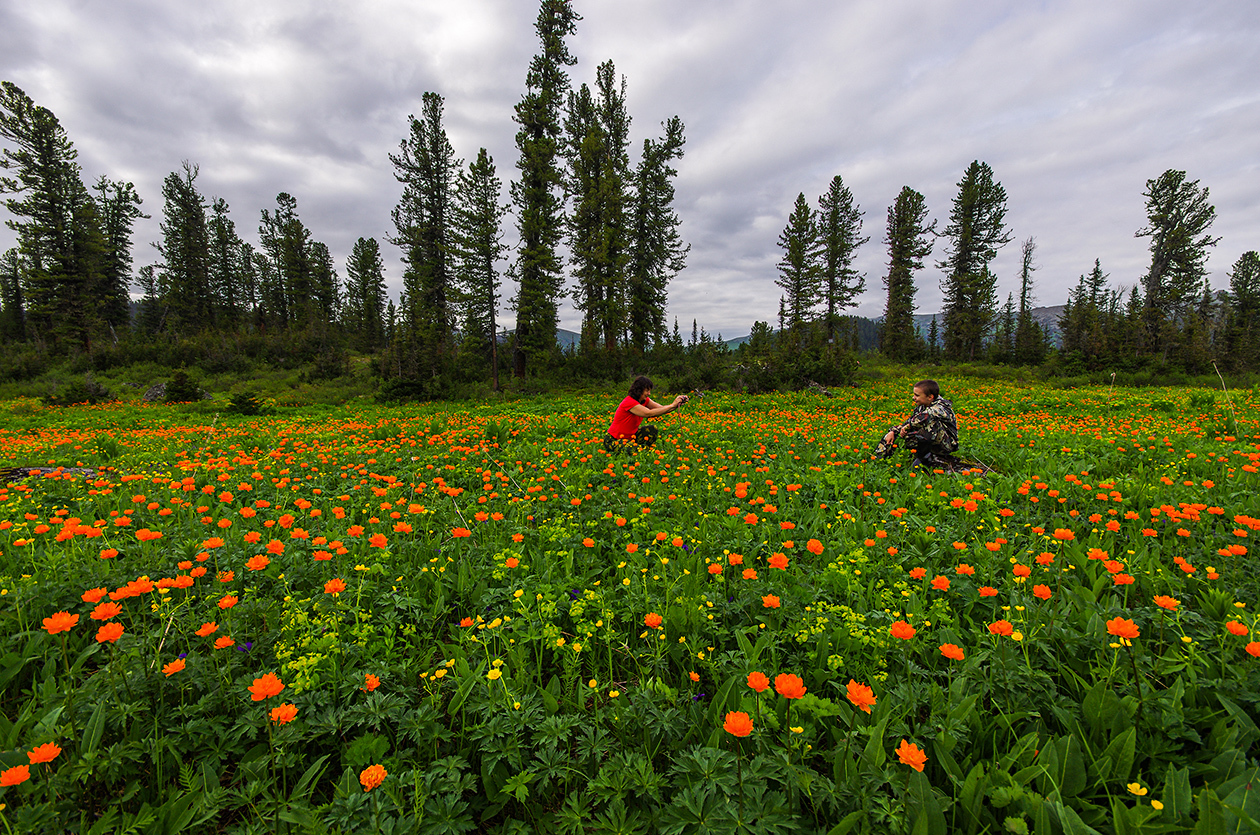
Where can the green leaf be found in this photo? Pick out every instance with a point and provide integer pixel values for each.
(306, 782)
(95, 729)
(1120, 753)
(923, 804)
(1177, 798)
(847, 823)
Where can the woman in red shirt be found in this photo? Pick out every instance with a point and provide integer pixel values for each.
(630, 413)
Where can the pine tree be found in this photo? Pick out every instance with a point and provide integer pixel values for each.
(225, 264)
(657, 251)
(1030, 339)
(479, 236)
(185, 249)
(909, 242)
(799, 268)
(118, 206)
(364, 312)
(976, 231)
(1179, 216)
(839, 235)
(12, 303)
(539, 209)
(1242, 335)
(287, 243)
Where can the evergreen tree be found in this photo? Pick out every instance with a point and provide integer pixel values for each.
(1242, 335)
(976, 231)
(325, 286)
(291, 295)
(539, 207)
(1179, 216)
(152, 314)
(364, 312)
(839, 236)
(479, 236)
(799, 268)
(225, 264)
(12, 303)
(425, 221)
(657, 251)
(185, 249)
(118, 206)
(1030, 339)
(909, 242)
(1003, 349)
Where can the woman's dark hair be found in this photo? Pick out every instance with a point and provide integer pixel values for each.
(929, 387)
(640, 385)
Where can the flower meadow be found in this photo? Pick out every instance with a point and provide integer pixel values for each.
(450, 618)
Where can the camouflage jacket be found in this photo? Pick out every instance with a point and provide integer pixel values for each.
(934, 425)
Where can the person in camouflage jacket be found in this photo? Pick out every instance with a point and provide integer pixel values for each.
(931, 430)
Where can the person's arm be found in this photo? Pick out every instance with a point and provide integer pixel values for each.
(653, 409)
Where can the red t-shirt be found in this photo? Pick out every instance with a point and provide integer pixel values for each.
(625, 423)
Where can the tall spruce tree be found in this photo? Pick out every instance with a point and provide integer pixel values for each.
(12, 303)
(536, 195)
(364, 312)
(1179, 216)
(839, 236)
(479, 238)
(1242, 334)
(287, 242)
(425, 221)
(225, 264)
(657, 251)
(185, 249)
(1030, 341)
(799, 268)
(909, 240)
(976, 231)
(118, 206)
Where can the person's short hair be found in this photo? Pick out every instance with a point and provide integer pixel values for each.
(640, 385)
(929, 387)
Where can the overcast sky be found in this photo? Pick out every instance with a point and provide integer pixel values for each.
(1074, 104)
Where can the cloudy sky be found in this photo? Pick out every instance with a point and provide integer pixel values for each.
(1075, 104)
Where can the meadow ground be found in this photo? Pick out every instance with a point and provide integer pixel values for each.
(458, 618)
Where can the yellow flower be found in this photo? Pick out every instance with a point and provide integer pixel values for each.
(1017, 636)
(625, 582)
(1156, 805)
(1137, 788)
(612, 694)
(517, 594)
(494, 674)
(1186, 639)
(497, 663)
(592, 684)
(439, 673)
(798, 729)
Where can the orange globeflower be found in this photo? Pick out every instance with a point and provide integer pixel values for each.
(1236, 628)
(109, 633)
(1001, 627)
(223, 642)
(789, 686)
(1064, 535)
(1041, 592)
(910, 755)
(952, 651)
(105, 611)
(461, 532)
(370, 683)
(172, 668)
(372, 776)
(335, 586)
(814, 547)
(750, 574)
(988, 591)
(770, 601)
(207, 628)
(1163, 601)
(965, 569)
(284, 713)
(109, 553)
(918, 573)
(93, 595)
(738, 724)
(901, 629)
(1122, 628)
(258, 562)
(266, 686)
(60, 622)
(861, 695)
(45, 753)
(275, 546)
(940, 583)
(227, 601)
(378, 540)
(652, 620)
(715, 568)
(15, 776)
(758, 681)
(1253, 648)
(779, 561)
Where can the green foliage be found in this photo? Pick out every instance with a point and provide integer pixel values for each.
(77, 392)
(182, 389)
(246, 402)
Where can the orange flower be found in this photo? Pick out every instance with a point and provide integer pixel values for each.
(988, 591)
(223, 642)
(259, 561)
(750, 574)
(861, 695)
(15, 776)
(1001, 627)
(227, 601)
(779, 561)
(965, 569)
(940, 583)
(266, 686)
(461, 532)
(952, 651)
(105, 611)
(284, 713)
(814, 547)
(93, 595)
(693, 675)
(109, 633)
(146, 535)
(45, 753)
(1253, 648)
(1163, 601)
(466, 622)
(511, 562)
(378, 540)
(370, 683)
(738, 724)
(207, 628)
(172, 668)
(715, 568)
(1236, 628)
(901, 629)
(652, 620)
(372, 776)
(109, 553)
(918, 573)
(1041, 592)
(1064, 535)
(770, 601)
(335, 586)
(758, 681)
(789, 686)
(1122, 628)
(60, 622)
(910, 755)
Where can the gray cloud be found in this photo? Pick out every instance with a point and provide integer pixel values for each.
(1074, 104)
